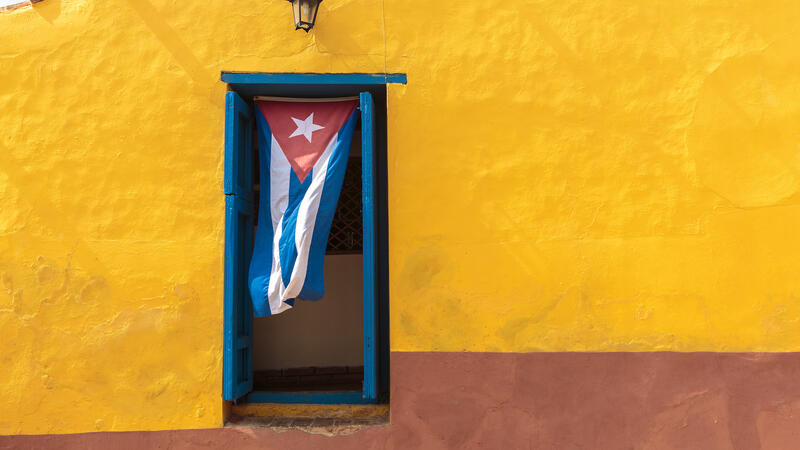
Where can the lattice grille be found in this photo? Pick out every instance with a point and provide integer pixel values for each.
(346, 229)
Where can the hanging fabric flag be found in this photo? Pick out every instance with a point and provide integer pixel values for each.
(303, 150)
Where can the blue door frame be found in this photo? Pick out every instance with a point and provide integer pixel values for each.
(237, 371)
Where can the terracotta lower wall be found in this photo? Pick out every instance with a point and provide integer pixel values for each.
(541, 400)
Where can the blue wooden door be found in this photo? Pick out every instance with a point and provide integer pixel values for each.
(370, 386)
(237, 377)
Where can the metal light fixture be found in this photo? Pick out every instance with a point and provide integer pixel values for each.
(305, 13)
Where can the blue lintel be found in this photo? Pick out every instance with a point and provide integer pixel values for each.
(313, 78)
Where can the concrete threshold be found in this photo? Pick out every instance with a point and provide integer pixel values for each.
(329, 420)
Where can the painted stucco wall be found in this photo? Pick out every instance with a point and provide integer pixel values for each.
(563, 176)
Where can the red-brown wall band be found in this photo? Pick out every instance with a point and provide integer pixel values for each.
(540, 400)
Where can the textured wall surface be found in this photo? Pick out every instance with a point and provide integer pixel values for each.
(564, 176)
(608, 401)
(606, 175)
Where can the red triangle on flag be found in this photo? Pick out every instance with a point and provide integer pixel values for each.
(304, 129)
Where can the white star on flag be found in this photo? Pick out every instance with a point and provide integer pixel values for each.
(305, 127)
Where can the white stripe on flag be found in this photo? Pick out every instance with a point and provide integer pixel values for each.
(279, 172)
(276, 289)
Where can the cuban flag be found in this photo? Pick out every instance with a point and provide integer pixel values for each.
(303, 150)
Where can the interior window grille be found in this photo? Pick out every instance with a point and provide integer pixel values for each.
(346, 229)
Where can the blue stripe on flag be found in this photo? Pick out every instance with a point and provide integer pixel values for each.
(314, 285)
(261, 264)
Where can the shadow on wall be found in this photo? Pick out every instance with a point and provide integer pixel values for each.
(172, 42)
(48, 10)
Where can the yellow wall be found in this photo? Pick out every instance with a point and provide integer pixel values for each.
(564, 175)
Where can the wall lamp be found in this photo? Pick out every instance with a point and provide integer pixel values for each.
(305, 13)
